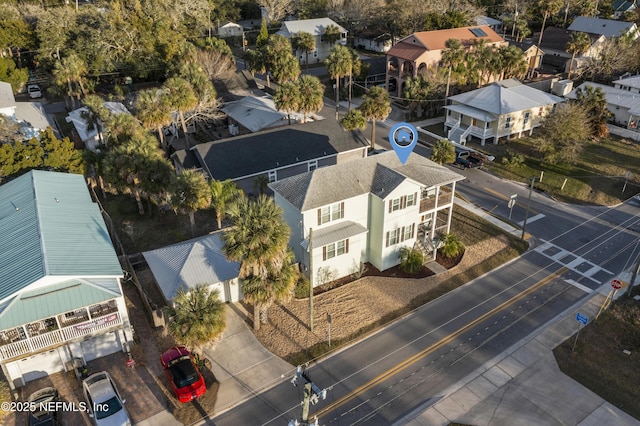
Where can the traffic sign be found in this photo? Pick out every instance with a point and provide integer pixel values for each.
(581, 318)
(616, 284)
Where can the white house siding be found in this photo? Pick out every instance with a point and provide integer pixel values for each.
(397, 220)
(338, 266)
(376, 228)
(37, 366)
(228, 291)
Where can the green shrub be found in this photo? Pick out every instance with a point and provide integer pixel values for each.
(451, 245)
(512, 159)
(411, 260)
(301, 290)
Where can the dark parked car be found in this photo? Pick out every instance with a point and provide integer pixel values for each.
(43, 399)
(183, 374)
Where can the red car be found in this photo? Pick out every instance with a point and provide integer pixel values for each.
(186, 381)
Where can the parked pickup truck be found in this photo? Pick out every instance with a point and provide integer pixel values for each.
(468, 159)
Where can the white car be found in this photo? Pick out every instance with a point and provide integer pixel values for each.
(106, 406)
(34, 91)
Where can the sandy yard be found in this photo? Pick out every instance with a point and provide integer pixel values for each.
(355, 305)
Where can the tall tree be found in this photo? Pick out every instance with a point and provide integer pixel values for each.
(10, 74)
(190, 194)
(258, 239)
(223, 194)
(181, 97)
(578, 43)
(376, 106)
(562, 135)
(453, 59)
(443, 152)
(548, 8)
(70, 72)
(304, 42)
(197, 316)
(263, 35)
(153, 111)
(594, 102)
(287, 98)
(276, 9)
(95, 115)
(416, 91)
(282, 63)
(311, 91)
(339, 64)
(331, 34)
(354, 120)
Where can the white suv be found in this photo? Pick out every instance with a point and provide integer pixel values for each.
(34, 91)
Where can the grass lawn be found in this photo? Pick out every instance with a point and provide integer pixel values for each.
(599, 362)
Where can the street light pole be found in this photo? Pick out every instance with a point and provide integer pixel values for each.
(526, 214)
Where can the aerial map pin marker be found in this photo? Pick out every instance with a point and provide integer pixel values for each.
(403, 138)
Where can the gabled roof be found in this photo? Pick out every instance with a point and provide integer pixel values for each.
(435, 40)
(623, 5)
(505, 97)
(377, 174)
(80, 124)
(615, 97)
(256, 153)
(188, 264)
(256, 113)
(633, 82)
(606, 27)
(555, 38)
(312, 26)
(486, 20)
(49, 226)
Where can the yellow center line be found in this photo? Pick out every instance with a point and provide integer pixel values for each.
(496, 193)
(415, 358)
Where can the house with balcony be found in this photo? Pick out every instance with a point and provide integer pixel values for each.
(423, 50)
(365, 211)
(61, 295)
(315, 27)
(500, 110)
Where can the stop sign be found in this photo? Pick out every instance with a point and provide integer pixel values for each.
(616, 284)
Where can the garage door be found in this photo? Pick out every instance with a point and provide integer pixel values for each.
(41, 365)
(99, 346)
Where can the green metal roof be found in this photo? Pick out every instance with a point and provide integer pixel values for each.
(46, 302)
(49, 226)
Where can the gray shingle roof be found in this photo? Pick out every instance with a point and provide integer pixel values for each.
(246, 155)
(505, 97)
(49, 226)
(605, 27)
(338, 232)
(378, 174)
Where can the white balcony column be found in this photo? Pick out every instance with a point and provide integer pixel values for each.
(24, 328)
(124, 318)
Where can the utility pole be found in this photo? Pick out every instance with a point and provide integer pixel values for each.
(312, 394)
(636, 270)
(311, 279)
(526, 214)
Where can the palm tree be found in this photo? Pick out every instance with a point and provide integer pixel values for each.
(95, 115)
(305, 42)
(70, 72)
(181, 96)
(376, 106)
(578, 43)
(311, 91)
(121, 128)
(261, 184)
(453, 58)
(223, 193)
(191, 193)
(258, 239)
(443, 152)
(416, 90)
(153, 111)
(197, 316)
(287, 98)
(451, 245)
(513, 63)
(594, 102)
(339, 64)
(354, 120)
(548, 8)
(331, 34)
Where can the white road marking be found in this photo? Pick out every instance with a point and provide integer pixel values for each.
(580, 286)
(531, 219)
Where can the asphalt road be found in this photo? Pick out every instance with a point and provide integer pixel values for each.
(408, 364)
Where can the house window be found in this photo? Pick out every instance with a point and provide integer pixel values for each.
(407, 233)
(272, 176)
(395, 205)
(526, 117)
(335, 249)
(330, 213)
(315, 53)
(313, 165)
(403, 202)
(507, 123)
(411, 200)
(392, 237)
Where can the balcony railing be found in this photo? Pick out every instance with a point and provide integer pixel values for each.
(37, 343)
(445, 197)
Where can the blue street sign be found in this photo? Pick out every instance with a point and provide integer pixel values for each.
(403, 138)
(581, 318)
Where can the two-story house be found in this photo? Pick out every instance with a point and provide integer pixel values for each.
(60, 291)
(503, 109)
(423, 50)
(317, 28)
(365, 211)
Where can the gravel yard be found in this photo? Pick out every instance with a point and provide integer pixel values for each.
(355, 305)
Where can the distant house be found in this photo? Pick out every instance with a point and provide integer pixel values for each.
(29, 116)
(274, 154)
(375, 41)
(503, 109)
(605, 27)
(365, 211)
(61, 295)
(253, 114)
(88, 136)
(494, 24)
(623, 101)
(230, 29)
(423, 50)
(185, 265)
(620, 7)
(532, 54)
(315, 27)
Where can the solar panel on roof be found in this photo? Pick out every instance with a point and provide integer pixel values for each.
(478, 32)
